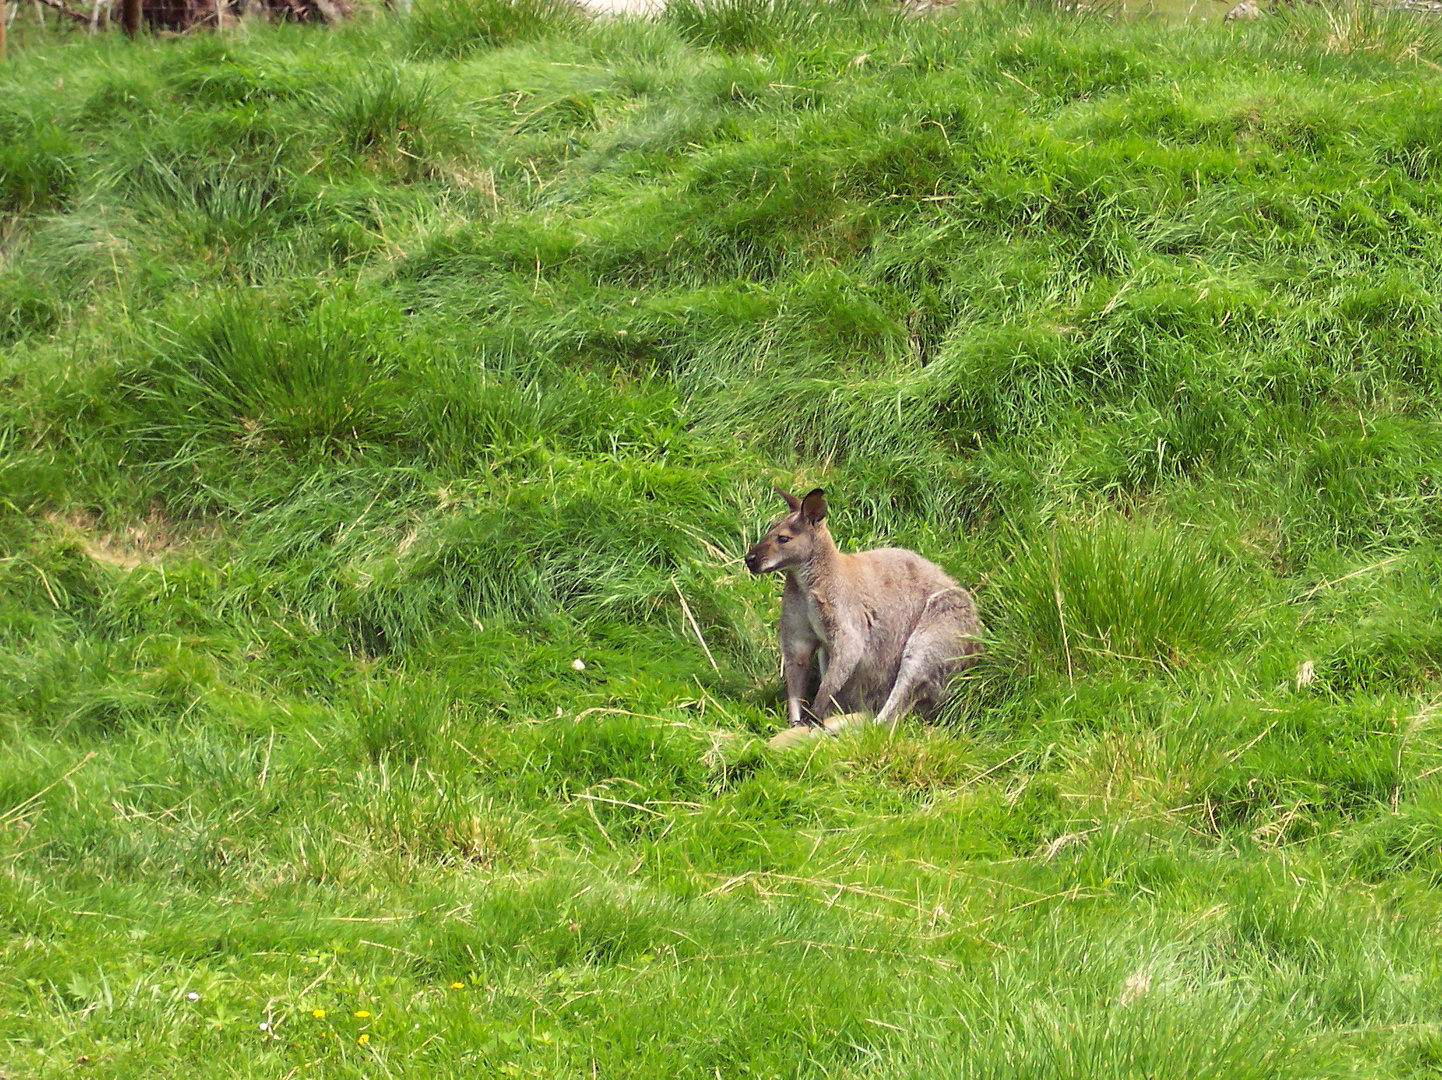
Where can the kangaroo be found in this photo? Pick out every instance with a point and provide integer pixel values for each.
(888, 628)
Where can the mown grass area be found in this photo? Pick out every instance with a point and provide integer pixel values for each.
(354, 384)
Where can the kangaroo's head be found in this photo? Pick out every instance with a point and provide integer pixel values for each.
(791, 541)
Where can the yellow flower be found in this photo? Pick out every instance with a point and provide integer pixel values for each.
(362, 1014)
(318, 1013)
(364, 1038)
(458, 986)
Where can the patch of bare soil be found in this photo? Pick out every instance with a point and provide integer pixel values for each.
(147, 541)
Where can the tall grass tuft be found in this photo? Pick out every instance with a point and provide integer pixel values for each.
(455, 28)
(393, 120)
(1407, 841)
(38, 165)
(1112, 589)
(399, 724)
(1358, 28)
(738, 26)
(244, 376)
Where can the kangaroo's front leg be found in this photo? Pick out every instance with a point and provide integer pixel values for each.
(842, 658)
(797, 658)
(799, 645)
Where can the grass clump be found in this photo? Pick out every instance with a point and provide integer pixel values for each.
(456, 28)
(393, 122)
(739, 26)
(244, 376)
(1118, 590)
(1408, 842)
(1357, 29)
(37, 166)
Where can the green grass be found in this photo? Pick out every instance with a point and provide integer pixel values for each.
(355, 384)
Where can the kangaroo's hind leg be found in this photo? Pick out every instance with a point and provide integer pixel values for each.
(921, 663)
(938, 648)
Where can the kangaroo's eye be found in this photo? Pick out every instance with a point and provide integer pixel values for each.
(783, 539)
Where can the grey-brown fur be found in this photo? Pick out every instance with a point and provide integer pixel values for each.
(887, 628)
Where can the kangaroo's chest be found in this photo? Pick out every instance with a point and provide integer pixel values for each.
(818, 618)
(807, 614)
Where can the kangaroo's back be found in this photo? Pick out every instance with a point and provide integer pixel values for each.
(884, 596)
(894, 576)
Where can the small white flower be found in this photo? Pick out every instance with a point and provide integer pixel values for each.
(193, 996)
(578, 664)
(264, 1026)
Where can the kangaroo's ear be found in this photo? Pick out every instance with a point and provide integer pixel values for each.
(813, 506)
(792, 502)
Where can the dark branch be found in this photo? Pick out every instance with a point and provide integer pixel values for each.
(60, 7)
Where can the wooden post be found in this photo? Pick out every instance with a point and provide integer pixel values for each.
(130, 16)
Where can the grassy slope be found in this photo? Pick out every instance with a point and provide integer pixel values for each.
(354, 384)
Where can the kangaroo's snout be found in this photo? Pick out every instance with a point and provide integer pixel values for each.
(765, 555)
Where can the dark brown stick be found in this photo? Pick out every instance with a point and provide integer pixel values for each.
(58, 6)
